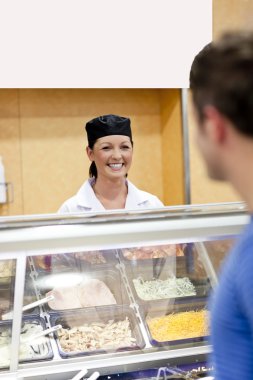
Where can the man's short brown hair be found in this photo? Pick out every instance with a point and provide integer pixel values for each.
(222, 75)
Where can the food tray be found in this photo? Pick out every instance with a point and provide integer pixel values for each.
(7, 272)
(93, 260)
(174, 264)
(147, 273)
(152, 252)
(189, 264)
(29, 297)
(56, 263)
(74, 261)
(111, 278)
(7, 298)
(98, 315)
(159, 311)
(45, 354)
(217, 250)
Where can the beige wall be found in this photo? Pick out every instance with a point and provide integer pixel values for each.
(172, 147)
(227, 14)
(203, 189)
(42, 141)
(10, 148)
(232, 14)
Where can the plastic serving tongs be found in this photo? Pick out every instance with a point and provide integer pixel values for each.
(42, 333)
(29, 306)
(80, 374)
(37, 342)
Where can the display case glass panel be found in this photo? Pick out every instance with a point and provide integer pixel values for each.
(7, 286)
(113, 290)
(112, 301)
(218, 249)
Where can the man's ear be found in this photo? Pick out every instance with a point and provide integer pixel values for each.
(89, 152)
(215, 124)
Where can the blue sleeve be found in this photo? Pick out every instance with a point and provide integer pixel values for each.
(244, 281)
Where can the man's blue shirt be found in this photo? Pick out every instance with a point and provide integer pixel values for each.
(232, 313)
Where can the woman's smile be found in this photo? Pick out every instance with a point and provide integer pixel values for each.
(116, 167)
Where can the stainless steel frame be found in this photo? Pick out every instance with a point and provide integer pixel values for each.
(186, 145)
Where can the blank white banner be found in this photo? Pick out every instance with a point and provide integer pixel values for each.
(101, 43)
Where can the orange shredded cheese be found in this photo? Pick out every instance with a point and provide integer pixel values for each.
(189, 324)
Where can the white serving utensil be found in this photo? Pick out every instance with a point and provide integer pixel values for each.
(80, 374)
(42, 333)
(94, 376)
(29, 306)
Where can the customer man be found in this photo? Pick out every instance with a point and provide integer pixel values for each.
(221, 80)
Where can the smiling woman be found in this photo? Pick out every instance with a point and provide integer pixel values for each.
(110, 150)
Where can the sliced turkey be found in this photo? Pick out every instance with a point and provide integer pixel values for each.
(88, 293)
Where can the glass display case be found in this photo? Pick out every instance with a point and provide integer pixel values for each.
(123, 294)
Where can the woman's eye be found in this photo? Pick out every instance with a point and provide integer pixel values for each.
(106, 148)
(125, 147)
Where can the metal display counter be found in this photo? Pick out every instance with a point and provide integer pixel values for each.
(128, 289)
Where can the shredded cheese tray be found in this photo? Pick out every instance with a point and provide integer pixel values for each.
(161, 289)
(179, 326)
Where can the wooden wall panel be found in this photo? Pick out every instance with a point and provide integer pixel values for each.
(53, 141)
(43, 142)
(203, 189)
(172, 147)
(53, 162)
(227, 15)
(146, 171)
(10, 149)
(232, 14)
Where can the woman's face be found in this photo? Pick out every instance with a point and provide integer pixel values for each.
(112, 156)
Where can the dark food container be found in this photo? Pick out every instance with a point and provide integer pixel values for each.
(70, 320)
(43, 352)
(112, 279)
(159, 311)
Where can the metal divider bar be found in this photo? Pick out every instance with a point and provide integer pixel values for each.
(134, 304)
(207, 263)
(17, 311)
(43, 313)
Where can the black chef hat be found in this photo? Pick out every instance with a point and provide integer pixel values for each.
(107, 125)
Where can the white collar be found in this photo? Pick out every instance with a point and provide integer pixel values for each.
(135, 197)
(87, 198)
